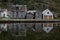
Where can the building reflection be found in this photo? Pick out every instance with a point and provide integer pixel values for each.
(3, 27)
(47, 27)
(17, 29)
(38, 26)
(29, 25)
(20, 29)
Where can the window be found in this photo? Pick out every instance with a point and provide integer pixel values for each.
(47, 29)
(47, 12)
(17, 8)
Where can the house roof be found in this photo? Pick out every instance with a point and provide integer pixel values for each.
(45, 12)
(31, 11)
(21, 7)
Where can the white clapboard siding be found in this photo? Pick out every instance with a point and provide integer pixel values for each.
(47, 12)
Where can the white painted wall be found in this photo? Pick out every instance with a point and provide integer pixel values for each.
(45, 12)
(4, 13)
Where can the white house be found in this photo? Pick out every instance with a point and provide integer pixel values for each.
(4, 13)
(47, 27)
(47, 14)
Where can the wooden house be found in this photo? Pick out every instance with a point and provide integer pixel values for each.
(47, 14)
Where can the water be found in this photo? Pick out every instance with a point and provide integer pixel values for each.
(29, 31)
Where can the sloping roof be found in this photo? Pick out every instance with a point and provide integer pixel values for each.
(47, 10)
(21, 7)
(31, 11)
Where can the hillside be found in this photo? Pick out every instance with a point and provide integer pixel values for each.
(53, 5)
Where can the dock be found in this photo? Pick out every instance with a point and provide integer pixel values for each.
(27, 20)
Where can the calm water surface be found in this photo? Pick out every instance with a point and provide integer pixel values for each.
(29, 31)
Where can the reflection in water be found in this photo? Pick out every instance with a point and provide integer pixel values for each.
(30, 31)
(38, 26)
(29, 25)
(47, 27)
(20, 29)
(17, 29)
(3, 27)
